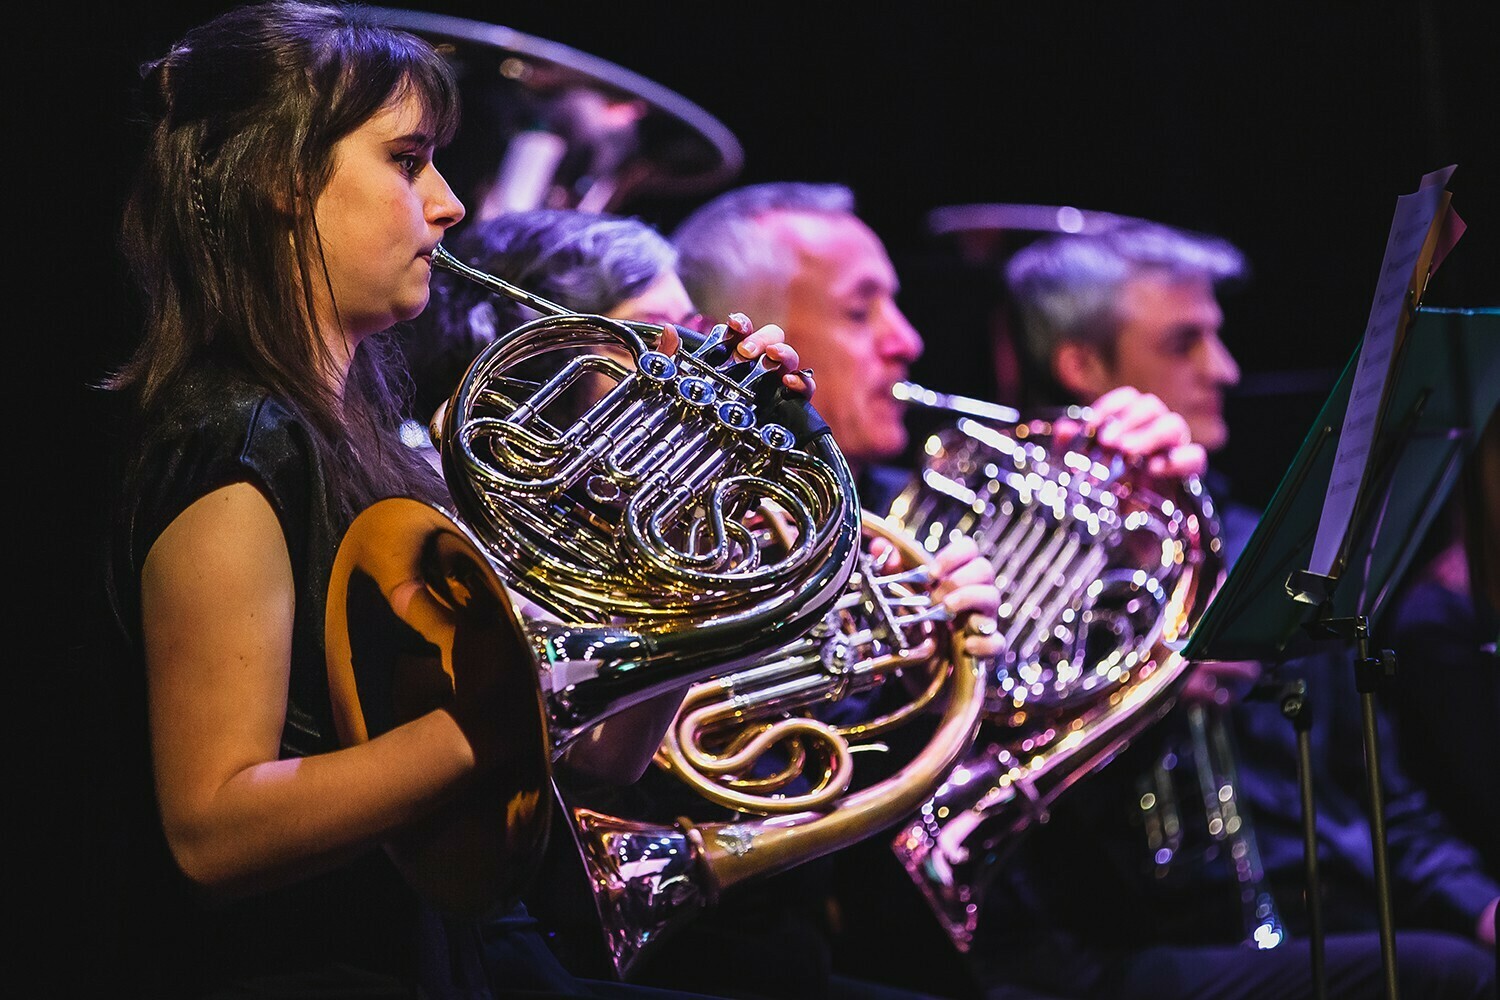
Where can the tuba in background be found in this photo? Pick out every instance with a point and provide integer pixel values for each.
(770, 746)
(628, 524)
(1102, 571)
(547, 125)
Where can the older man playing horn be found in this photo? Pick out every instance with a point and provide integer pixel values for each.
(798, 255)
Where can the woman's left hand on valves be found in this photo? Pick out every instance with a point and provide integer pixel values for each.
(770, 341)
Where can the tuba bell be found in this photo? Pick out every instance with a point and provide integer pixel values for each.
(1103, 571)
(648, 879)
(625, 526)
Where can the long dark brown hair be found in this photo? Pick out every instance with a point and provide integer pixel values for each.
(245, 112)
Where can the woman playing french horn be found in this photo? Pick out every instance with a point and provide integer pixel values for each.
(284, 218)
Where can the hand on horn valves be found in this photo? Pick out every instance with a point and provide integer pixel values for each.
(770, 341)
(1139, 426)
(963, 582)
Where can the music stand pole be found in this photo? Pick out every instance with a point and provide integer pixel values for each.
(1386, 448)
(1295, 709)
(1370, 672)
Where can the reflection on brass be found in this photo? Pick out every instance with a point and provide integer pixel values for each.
(1103, 570)
(417, 620)
(635, 513)
(648, 879)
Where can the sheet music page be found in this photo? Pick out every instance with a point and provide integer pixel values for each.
(1409, 235)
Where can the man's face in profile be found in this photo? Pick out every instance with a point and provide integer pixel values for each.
(842, 317)
(1169, 345)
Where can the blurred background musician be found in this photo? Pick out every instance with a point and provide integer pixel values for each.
(1133, 304)
(1094, 904)
(549, 126)
(799, 251)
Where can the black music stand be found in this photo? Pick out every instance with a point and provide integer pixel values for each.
(1441, 385)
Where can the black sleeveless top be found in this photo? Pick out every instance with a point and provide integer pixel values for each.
(356, 924)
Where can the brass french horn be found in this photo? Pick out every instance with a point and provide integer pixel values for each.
(649, 878)
(1103, 572)
(628, 525)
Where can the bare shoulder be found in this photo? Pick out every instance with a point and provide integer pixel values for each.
(230, 534)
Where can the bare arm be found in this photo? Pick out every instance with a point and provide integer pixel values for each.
(217, 602)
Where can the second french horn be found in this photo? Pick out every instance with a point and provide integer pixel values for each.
(1102, 570)
(885, 632)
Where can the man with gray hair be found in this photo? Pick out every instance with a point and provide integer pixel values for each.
(797, 255)
(1135, 305)
(1133, 889)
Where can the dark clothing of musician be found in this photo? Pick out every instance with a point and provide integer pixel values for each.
(355, 925)
(1447, 709)
(1126, 893)
(357, 930)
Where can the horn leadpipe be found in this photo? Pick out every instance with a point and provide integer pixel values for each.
(442, 258)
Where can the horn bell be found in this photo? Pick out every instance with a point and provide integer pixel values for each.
(417, 620)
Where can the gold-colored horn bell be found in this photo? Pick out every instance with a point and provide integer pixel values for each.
(627, 524)
(649, 878)
(418, 620)
(1103, 570)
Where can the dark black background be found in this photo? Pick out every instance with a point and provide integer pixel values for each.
(1289, 129)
